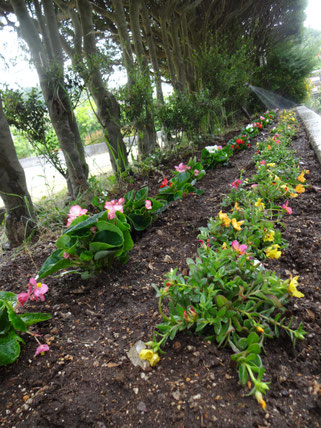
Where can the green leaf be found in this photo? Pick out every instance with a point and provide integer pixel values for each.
(9, 348)
(53, 263)
(140, 221)
(243, 375)
(111, 236)
(105, 254)
(220, 300)
(129, 196)
(86, 256)
(5, 324)
(252, 338)
(63, 241)
(9, 297)
(128, 242)
(30, 318)
(87, 223)
(16, 321)
(254, 348)
(140, 197)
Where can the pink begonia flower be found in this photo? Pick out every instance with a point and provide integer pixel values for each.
(39, 291)
(220, 147)
(113, 206)
(75, 211)
(35, 293)
(236, 183)
(287, 208)
(66, 255)
(278, 142)
(148, 204)
(41, 349)
(239, 248)
(23, 298)
(254, 186)
(93, 229)
(181, 167)
(32, 281)
(262, 162)
(196, 172)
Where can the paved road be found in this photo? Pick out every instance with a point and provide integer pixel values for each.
(43, 180)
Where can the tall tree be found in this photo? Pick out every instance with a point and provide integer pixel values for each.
(19, 221)
(47, 54)
(87, 60)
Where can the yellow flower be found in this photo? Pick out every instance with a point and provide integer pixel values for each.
(236, 206)
(152, 357)
(284, 187)
(292, 287)
(237, 224)
(260, 400)
(273, 252)
(260, 204)
(293, 195)
(269, 236)
(299, 188)
(224, 246)
(260, 329)
(225, 218)
(301, 177)
(271, 164)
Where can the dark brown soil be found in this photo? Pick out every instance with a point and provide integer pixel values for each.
(87, 380)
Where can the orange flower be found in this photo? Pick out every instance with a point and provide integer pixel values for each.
(269, 147)
(301, 177)
(299, 188)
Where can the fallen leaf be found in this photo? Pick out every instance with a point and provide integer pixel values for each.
(113, 364)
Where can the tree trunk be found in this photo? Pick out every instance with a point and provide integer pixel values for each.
(108, 110)
(47, 58)
(13, 189)
(146, 130)
(177, 56)
(153, 55)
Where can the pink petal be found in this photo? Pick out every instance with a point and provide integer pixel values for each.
(23, 298)
(75, 210)
(33, 282)
(148, 204)
(41, 348)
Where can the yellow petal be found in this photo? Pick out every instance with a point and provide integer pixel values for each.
(154, 360)
(146, 354)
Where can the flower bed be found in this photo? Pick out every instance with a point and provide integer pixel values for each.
(228, 295)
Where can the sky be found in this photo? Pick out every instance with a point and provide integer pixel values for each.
(22, 74)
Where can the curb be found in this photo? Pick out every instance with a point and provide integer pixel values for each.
(312, 124)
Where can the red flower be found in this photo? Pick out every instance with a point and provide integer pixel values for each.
(237, 146)
(239, 141)
(248, 145)
(164, 183)
(232, 147)
(260, 125)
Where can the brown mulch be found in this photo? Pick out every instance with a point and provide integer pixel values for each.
(87, 380)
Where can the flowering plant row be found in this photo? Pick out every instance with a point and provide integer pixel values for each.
(211, 156)
(228, 295)
(11, 322)
(93, 242)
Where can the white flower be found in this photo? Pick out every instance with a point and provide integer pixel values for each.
(211, 149)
